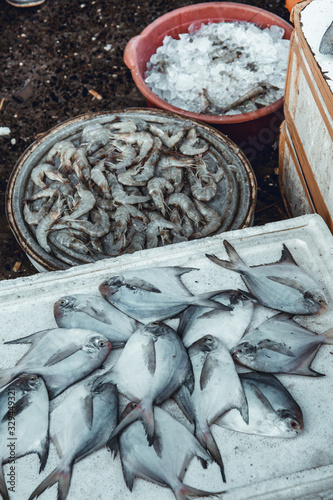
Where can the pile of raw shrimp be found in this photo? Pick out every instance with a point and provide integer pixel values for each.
(123, 186)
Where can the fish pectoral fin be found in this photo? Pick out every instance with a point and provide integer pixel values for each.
(62, 354)
(87, 410)
(207, 371)
(276, 347)
(149, 354)
(20, 405)
(144, 285)
(262, 398)
(97, 314)
(292, 283)
(204, 300)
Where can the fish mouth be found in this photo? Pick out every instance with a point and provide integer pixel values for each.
(105, 289)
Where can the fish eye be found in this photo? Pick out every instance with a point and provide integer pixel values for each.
(101, 343)
(293, 424)
(155, 323)
(63, 302)
(33, 378)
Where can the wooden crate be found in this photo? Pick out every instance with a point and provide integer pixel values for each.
(306, 144)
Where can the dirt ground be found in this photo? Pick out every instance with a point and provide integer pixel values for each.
(53, 55)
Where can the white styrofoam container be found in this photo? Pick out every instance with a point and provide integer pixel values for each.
(295, 194)
(256, 467)
(308, 105)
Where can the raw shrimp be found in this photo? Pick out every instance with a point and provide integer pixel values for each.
(142, 139)
(94, 136)
(156, 225)
(86, 203)
(120, 196)
(122, 219)
(186, 205)
(99, 178)
(213, 220)
(204, 174)
(81, 165)
(156, 187)
(64, 150)
(138, 241)
(203, 191)
(190, 145)
(127, 178)
(45, 225)
(100, 226)
(68, 240)
(43, 170)
(147, 169)
(120, 155)
(126, 126)
(169, 140)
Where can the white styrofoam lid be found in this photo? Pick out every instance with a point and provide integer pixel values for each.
(256, 467)
(315, 18)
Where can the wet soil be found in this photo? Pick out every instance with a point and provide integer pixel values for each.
(55, 59)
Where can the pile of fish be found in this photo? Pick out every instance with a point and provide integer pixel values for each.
(123, 186)
(195, 365)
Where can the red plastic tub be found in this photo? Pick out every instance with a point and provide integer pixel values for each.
(139, 50)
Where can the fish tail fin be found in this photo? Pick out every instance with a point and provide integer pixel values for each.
(184, 492)
(142, 412)
(206, 439)
(235, 263)
(3, 487)
(204, 300)
(61, 475)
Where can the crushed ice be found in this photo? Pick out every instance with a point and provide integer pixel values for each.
(208, 69)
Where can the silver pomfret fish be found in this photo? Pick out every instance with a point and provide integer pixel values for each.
(152, 366)
(153, 294)
(282, 285)
(61, 356)
(94, 313)
(178, 446)
(272, 409)
(217, 389)
(80, 425)
(280, 345)
(24, 408)
(228, 326)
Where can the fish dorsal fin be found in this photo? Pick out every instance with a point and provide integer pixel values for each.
(292, 283)
(29, 339)
(149, 354)
(262, 398)
(63, 354)
(207, 371)
(144, 285)
(19, 407)
(87, 410)
(276, 347)
(286, 256)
